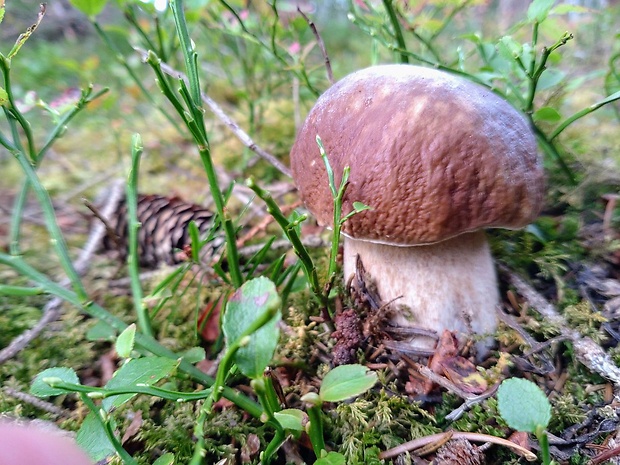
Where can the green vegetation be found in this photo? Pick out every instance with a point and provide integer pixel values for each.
(230, 361)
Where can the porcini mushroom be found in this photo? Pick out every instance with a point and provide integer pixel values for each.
(437, 158)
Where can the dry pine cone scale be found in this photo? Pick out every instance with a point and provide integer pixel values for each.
(164, 231)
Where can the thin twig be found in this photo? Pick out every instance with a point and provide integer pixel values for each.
(474, 437)
(470, 402)
(587, 351)
(227, 120)
(36, 402)
(51, 311)
(319, 40)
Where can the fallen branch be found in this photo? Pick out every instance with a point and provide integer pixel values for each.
(587, 351)
(473, 437)
(37, 402)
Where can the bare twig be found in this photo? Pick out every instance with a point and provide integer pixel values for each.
(227, 120)
(474, 437)
(319, 40)
(470, 402)
(51, 311)
(36, 402)
(587, 351)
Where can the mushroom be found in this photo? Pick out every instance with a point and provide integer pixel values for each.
(437, 158)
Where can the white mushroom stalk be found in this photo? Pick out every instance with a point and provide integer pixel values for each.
(449, 284)
(437, 158)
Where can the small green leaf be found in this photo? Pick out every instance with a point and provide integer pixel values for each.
(550, 78)
(256, 300)
(92, 438)
(523, 405)
(194, 355)
(101, 331)
(4, 97)
(360, 207)
(472, 37)
(1, 10)
(21, 40)
(346, 381)
(119, 39)
(548, 114)
(20, 291)
(125, 341)
(509, 48)
(610, 98)
(564, 8)
(291, 419)
(539, 10)
(332, 458)
(40, 388)
(166, 459)
(89, 7)
(145, 370)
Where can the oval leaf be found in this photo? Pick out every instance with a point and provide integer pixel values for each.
(539, 10)
(256, 299)
(4, 97)
(551, 115)
(40, 388)
(332, 458)
(346, 381)
(291, 419)
(194, 355)
(166, 459)
(146, 370)
(89, 7)
(125, 341)
(93, 438)
(550, 78)
(523, 405)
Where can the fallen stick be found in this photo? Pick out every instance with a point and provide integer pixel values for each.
(587, 351)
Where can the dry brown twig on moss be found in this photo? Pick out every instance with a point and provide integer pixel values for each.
(411, 446)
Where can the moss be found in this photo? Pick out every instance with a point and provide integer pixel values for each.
(587, 320)
(565, 411)
(62, 344)
(377, 420)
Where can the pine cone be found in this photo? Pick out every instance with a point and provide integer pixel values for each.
(459, 452)
(164, 234)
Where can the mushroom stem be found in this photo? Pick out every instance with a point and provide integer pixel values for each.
(447, 285)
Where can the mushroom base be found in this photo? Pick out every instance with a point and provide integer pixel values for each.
(447, 285)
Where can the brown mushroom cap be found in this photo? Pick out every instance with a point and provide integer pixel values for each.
(433, 154)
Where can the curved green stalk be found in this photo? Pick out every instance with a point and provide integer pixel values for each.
(103, 393)
(61, 126)
(289, 230)
(398, 33)
(13, 110)
(315, 430)
(99, 415)
(57, 238)
(580, 114)
(194, 119)
(144, 321)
